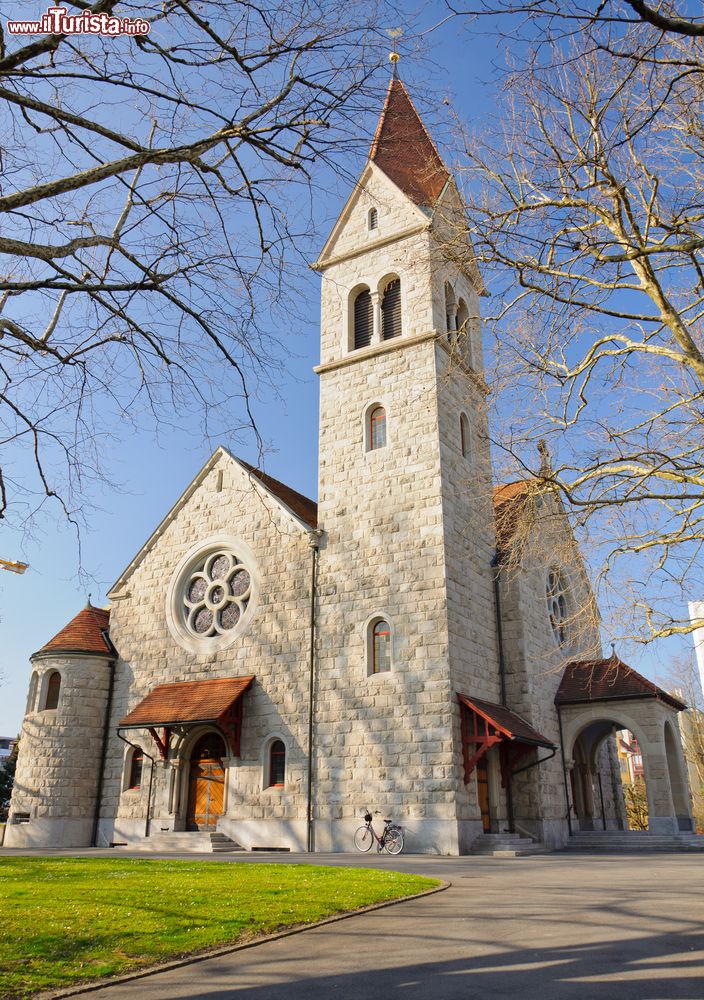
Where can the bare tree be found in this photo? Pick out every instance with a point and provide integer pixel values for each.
(586, 217)
(155, 189)
(562, 18)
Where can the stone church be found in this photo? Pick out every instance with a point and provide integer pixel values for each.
(420, 641)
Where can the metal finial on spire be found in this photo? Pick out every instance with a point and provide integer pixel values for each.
(88, 603)
(394, 34)
(613, 650)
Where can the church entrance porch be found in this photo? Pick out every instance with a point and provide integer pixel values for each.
(495, 739)
(206, 784)
(594, 700)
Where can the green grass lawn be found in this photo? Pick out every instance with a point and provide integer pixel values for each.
(63, 920)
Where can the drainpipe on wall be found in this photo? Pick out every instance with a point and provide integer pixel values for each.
(104, 748)
(314, 542)
(496, 566)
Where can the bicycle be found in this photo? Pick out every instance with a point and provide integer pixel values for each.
(390, 841)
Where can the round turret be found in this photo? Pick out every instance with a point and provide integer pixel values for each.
(59, 764)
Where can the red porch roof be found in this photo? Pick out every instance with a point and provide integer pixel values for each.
(186, 703)
(506, 722)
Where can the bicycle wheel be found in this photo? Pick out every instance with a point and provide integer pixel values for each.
(363, 838)
(394, 841)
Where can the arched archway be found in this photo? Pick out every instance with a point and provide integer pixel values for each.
(206, 782)
(597, 792)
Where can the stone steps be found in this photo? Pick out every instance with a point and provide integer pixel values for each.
(505, 845)
(633, 841)
(185, 843)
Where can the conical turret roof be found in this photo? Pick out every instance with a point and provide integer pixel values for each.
(83, 634)
(403, 149)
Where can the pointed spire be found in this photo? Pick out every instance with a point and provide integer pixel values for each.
(545, 470)
(403, 149)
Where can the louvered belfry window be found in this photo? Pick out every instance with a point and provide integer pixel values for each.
(391, 310)
(363, 319)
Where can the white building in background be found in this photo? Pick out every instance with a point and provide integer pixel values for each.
(696, 613)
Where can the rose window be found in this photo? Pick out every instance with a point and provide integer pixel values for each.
(216, 595)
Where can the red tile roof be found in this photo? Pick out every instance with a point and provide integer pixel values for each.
(301, 506)
(606, 679)
(513, 726)
(188, 701)
(83, 634)
(405, 152)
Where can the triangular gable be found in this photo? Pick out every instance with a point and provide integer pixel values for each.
(417, 218)
(299, 508)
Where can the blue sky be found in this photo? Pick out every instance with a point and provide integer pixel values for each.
(152, 470)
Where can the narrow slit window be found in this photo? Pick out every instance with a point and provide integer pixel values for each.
(373, 218)
(464, 435)
(277, 764)
(377, 428)
(32, 696)
(136, 767)
(381, 648)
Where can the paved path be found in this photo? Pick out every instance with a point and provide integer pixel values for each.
(550, 927)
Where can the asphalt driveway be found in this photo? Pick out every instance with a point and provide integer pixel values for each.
(549, 927)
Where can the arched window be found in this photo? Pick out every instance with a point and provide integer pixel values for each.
(32, 695)
(277, 764)
(53, 689)
(391, 310)
(450, 309)
(381, 647)
(373, 218)
(376, 432)
(465, 442)
(134, 779)
(363, 319)
(462, 316)
(557, 605)
(463, 331)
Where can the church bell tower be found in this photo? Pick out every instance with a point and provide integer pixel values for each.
(405, 612)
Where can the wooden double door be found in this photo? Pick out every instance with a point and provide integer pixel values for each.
(206, 784)
(482, 771)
